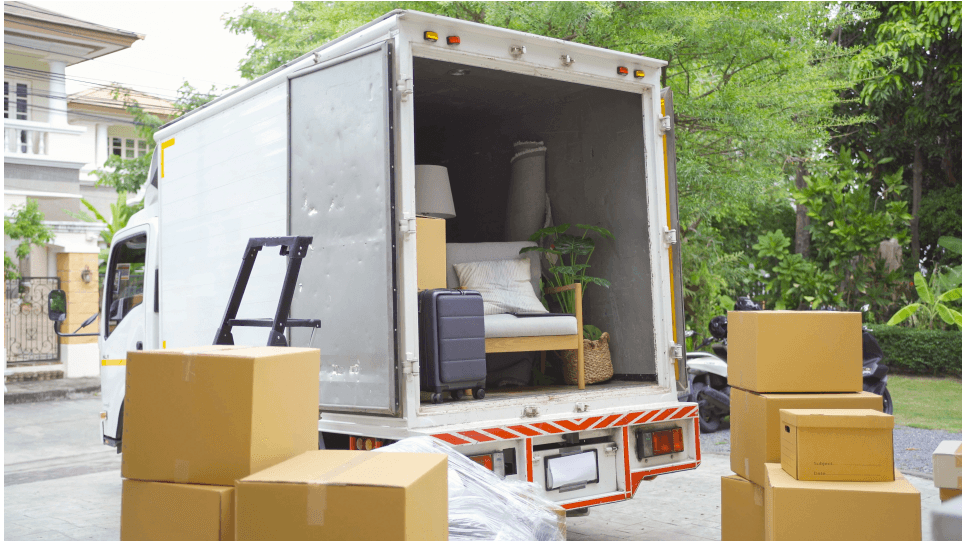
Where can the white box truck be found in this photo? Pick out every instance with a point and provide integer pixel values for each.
(326, 146)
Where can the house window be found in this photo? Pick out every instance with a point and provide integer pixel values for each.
(15, 100)
(128, 147)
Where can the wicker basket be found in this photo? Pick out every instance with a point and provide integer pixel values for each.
(598, 366)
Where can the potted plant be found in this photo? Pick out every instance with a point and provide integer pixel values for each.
(569, 255)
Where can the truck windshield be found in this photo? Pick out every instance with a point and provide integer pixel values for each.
(125, 279)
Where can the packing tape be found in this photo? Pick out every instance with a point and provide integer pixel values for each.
(317, 488)
(188, 362)
(746, 468)
(759, 496)
(181, 471)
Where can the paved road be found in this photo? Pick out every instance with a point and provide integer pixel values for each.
(60, 483)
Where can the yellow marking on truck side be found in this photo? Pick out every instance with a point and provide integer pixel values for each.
(671, 263)
(107, 362)
(163, 146)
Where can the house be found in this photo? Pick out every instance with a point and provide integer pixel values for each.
(52, 143)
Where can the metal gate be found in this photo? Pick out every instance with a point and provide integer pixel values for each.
(28, 334)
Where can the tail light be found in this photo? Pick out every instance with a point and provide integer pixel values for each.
(454, 40)
(622, 70)
(494, 462)
(660, 442)
(364, 443)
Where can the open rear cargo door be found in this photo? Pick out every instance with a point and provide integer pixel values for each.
(342, 194)
(677, 290)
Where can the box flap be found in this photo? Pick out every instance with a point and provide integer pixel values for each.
(342, 467)
(949, 447)
(779, 479)
(841, 418)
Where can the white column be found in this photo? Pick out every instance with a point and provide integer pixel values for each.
(58, 92)
(102, 145)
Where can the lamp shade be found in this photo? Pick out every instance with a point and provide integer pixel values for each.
(433, 191)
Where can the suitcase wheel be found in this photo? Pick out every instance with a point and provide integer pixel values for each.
(457, 394)
(478, 393)
(435, 398)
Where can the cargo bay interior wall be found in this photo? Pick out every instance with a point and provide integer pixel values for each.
(595, 174)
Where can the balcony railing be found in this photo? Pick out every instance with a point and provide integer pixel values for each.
(32, 139)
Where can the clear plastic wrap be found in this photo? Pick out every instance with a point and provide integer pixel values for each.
(482, 506)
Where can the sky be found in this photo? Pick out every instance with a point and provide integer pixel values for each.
(184, 41)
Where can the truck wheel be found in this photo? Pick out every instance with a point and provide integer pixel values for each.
(478, 393)
(457, 394)
(435, 398)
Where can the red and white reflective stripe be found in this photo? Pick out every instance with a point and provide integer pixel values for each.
(537, 429)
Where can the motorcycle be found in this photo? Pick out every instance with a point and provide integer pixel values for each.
(874, 374)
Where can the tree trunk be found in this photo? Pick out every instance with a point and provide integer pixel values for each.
(916, 203)
(803, 237)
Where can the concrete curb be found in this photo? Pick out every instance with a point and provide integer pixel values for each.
(46, 395)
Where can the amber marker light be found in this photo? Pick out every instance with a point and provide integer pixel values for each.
(430, 36)
(639, 74)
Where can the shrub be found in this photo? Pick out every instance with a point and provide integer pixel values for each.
(920, 351)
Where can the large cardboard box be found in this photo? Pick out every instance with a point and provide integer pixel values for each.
(795, 351)
(947, 464)
(946, 494)
(213, 416)
(164, 511)
(755, 424)
(840, 445)
(804, 510)
(346, 495)
(742, 509)
(432, 253)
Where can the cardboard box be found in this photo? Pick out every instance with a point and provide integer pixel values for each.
(213, 416)
(795, 351)
(346, 495)
(841, 445)
(742, 509)
(805, 510)
(432, 253)
(163, 511)
(755, 424)
(947, 464)
(946, 493)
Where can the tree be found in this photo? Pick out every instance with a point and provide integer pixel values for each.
(911, 73)
(25, 225)
(129, 175)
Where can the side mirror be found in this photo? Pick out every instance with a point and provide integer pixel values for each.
(57, 305)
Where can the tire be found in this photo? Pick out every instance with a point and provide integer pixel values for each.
(457, 394)
(887, 406)
(478, 393)
(436, 398)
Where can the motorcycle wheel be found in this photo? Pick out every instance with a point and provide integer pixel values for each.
(708, 420)
(887, 406)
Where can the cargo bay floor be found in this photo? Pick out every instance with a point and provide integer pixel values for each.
(60, 483)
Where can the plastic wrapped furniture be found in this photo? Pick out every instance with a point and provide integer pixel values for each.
(482, 506)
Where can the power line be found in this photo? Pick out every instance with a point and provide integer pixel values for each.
(81, 114)
(89, 81)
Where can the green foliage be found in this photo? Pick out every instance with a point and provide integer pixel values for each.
(787, 280)
(920, 351)
(931, 303)
(950, 277)
(940, 217)
(25, 225)
(570, 255)
(712, 274)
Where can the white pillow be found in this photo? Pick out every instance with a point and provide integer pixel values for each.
(505, 285)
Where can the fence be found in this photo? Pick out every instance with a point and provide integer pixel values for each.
(28, 333)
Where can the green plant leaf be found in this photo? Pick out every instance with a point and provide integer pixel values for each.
(568, 269)
(545, 232)
(598, 281)
(956, 317)
(923, 289)
(952, 244)
(902, 314)
(592, 333)
(944, 314)
(951, 295)
(601, 231)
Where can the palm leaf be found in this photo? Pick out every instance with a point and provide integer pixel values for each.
(923, 289)
(956, 316)
(945, 314)
(902, 314)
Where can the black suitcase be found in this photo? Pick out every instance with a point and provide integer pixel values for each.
(451, 326)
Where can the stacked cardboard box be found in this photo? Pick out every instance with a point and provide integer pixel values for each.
(947, 469)
(197, 420)
(784, 360)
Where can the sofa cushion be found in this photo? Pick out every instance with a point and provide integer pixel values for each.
(507, 325)
(504, 285)
(483, 252)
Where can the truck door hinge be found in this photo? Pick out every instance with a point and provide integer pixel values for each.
(676, 351)
(405, 88)
(581, 407)
(409, 224)
(530, 412)
(664, 125)
(410, 365)
(671, 237)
